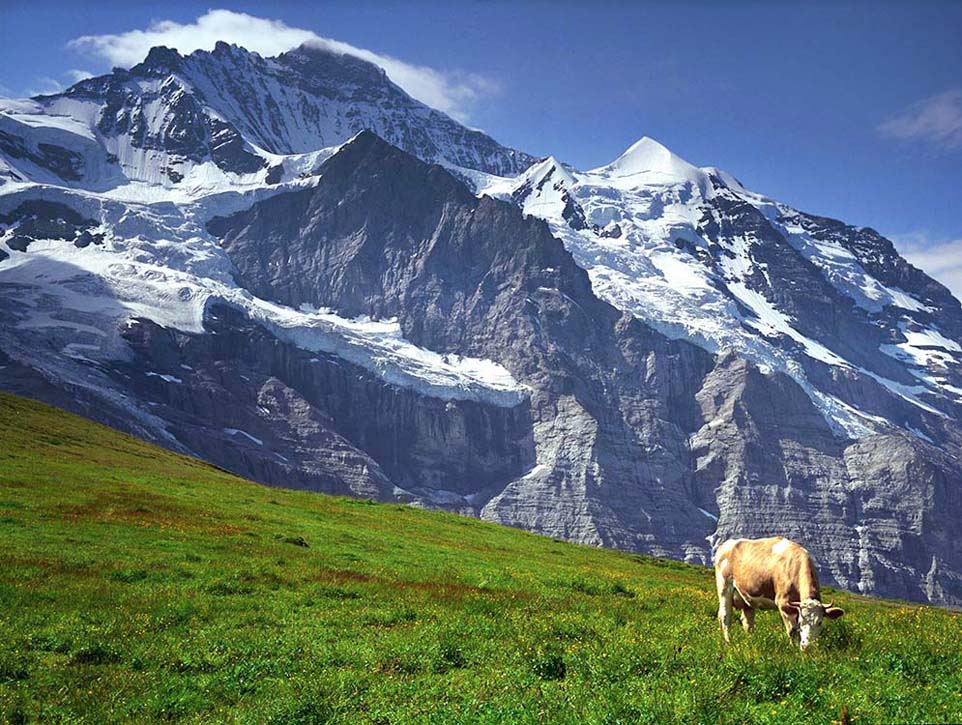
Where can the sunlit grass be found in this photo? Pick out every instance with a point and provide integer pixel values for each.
(140, 585)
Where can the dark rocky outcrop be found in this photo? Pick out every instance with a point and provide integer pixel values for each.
(63, 162)
(38, 219)
(282, 415)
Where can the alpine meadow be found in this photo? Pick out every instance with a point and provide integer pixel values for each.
(143, 585)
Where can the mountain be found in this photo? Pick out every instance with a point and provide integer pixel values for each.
(697, 256)
(644, 356)
(227, 116)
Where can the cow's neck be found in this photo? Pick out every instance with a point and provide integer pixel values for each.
(808, 582)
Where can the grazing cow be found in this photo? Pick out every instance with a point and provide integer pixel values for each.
(770, 573)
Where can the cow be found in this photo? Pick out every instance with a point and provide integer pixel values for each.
(772, 573)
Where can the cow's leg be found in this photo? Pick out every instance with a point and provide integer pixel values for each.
(725, 585)
(748, 618)
(789, 619)
(790, 627)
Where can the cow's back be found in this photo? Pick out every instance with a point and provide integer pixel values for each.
(764, 569)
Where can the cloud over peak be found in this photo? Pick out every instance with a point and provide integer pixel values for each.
(941, 259)
(937, 119)
(451, 91)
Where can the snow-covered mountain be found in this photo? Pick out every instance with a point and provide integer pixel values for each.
(291, 268)
(699, 257)
(225, 117)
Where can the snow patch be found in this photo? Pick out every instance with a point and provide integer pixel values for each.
(534, 472)
(239, 432)
(379, 346)
(165, 378)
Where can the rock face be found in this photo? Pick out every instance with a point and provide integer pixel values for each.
(44, 220)
(624, 420)
(645, 356)
(282, 415)
(872, 340)
(874, 511)
(385, 235)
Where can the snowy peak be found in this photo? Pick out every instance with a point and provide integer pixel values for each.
(322, 63)
(696, 255)
(160, 61)
(544, 190)
(551, 169)
(723, 177)
(223, 119)
(650, 158)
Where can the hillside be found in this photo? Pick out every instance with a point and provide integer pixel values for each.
(137, 584)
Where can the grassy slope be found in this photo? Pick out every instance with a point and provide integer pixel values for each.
(137, 584)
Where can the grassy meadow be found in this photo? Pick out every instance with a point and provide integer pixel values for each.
(138, 585)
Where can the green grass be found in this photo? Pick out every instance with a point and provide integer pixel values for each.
(140, 585)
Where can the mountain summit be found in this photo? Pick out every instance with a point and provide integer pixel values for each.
(647, 156)
(230, 113)
(289, 267)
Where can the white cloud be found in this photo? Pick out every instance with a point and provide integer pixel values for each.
(937, 119)
(453, 92)
(939, 259)
(264, 36)
(76, 75)
(44, 85)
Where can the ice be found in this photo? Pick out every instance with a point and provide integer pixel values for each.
(838, 264)
(930, 338)
(158, 262)
(237, 431)
(647, 161)
(379, 346)
(164, 377)
(33, 115)
(167, 270)
(924, 348)
(535, 472)
(656, 268)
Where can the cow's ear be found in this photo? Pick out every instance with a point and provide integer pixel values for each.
(790, 610)
(834, 612)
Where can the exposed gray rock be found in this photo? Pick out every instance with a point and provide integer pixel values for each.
(39, 219)
(282, 415)
(873, 512)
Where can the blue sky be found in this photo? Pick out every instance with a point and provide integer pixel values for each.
(847, 110)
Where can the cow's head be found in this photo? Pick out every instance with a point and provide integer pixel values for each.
(811, 615)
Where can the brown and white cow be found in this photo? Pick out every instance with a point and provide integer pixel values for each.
(772, 573)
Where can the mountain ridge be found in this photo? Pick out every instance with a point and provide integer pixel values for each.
(241, 112)
(592, 355)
